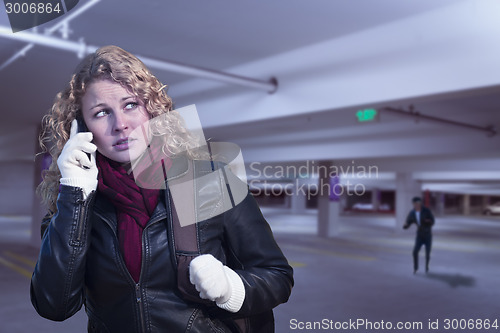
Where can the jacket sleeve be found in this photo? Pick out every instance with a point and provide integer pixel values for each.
(409, 220)
(264, 270)
(58, 278)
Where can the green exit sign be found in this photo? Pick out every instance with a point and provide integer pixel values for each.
(366, 115)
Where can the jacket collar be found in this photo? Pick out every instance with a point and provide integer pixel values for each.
(106, 210)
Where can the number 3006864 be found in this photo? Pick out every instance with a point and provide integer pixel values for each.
(32, 8)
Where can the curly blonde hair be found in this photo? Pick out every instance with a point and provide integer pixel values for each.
(109, 63)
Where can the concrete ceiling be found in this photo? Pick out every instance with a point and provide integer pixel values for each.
(213, 34)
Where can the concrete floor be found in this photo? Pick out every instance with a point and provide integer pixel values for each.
(364, 274)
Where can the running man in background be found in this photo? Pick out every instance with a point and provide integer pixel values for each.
(423, 218)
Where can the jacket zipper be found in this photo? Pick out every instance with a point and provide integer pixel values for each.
(138, 291)
(138, 295)
(82, 216)
(137, 286)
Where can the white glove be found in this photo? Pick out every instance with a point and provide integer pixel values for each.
(217, 282)
(74, 164)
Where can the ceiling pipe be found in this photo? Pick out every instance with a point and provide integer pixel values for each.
(21, 53)
(490, 130)
(270, 85)
(68, 17)
(44, 40)
(82, 49)
(62, 24)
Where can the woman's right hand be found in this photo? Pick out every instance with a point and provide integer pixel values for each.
(76, 168)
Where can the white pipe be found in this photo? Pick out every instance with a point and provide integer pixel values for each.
(49, 41)
(50, 31)
(68, 17)
(82, 49)
(15, 56)
(171, 66)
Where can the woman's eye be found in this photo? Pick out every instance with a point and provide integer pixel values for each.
(131, 105)
(101, 113)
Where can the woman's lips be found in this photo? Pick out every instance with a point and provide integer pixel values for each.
(123, 144)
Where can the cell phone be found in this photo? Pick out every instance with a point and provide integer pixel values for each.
(83, 128)
(81, 125)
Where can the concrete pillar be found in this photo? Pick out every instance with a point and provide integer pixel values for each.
(328, 202)
(298, 198)
(406, 189)
(375, 199)
(439, 204)
(466, 204)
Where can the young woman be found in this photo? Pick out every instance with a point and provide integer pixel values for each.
(113, 246)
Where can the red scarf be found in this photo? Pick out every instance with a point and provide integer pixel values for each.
(134, 207)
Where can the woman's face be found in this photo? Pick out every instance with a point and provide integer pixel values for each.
(111, 113)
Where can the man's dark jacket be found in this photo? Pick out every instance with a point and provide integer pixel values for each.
(426, 221)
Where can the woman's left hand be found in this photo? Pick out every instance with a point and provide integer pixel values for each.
(217, 282)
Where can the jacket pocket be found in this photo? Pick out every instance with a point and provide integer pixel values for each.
(200, 323)
(95, 325)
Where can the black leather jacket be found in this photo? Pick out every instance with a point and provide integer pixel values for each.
(80, 263)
